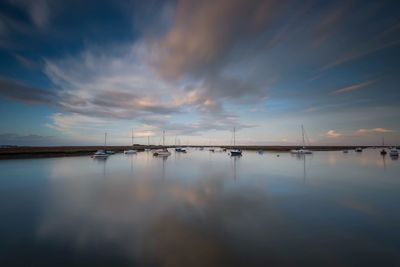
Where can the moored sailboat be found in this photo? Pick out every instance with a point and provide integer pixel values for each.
(235, 152)
(130, 151)
(101, 153)
(394, 153)
(383, 151)
(164, 151)
(303, 149)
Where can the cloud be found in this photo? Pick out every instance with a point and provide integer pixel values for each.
(115, 84)
(331, 21)
(333, 134)
(110, 84)
(26, 62)
(18, 91)
(354, 87)
(205, 32)
(311, 109)
(360, 53)
(38, 10)
(75, 123)
(374, 130)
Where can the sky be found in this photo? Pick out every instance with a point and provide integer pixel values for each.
(72, 70)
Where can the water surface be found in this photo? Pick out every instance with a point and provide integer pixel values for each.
(201, 209)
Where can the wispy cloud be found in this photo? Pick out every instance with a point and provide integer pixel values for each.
(355, 133)
(360, 53)
(333, 134)
(374, 130)
(331, 21)
(21, 92)
(218, 26)
(38, 10)
(354, 87)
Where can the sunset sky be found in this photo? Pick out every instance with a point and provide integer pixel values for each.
(72, 70)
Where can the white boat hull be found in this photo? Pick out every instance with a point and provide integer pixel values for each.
(394, 153)
(162, 153)
(300, 151)
(100, 154)
(129, 152)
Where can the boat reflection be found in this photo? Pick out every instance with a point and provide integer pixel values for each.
(234, 160)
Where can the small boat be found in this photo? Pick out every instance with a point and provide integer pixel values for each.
(164, 151)
(130, 152)
(260, 152)
(383, 151)
(302, 150)
(212, 150)
(358, 149)
(100, 154)
(394, 153)
(180, 149)
(235, 152)
(345, 151)
(109, 152)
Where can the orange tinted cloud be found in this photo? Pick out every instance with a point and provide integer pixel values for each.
(353, 87)
(333, 134)
(204, 32)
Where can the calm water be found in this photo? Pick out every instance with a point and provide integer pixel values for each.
(201, 209)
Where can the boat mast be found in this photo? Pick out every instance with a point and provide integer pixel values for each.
(105, 140)
(132, 137)
(148, 140)
(163, 138)
(234, 137)
(383, 141)
(302, 132)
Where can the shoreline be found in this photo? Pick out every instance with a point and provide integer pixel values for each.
(71, 151)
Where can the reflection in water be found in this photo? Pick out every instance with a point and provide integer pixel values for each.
(234, 159)
(384, 162)
(188, 211)
(308, 158)
(102, 162)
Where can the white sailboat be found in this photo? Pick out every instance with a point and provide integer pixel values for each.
(130, 151)
(383, 151)
(394, 153)
(178, 147)
(101, 153)
(164, 151)
(302, 150)
(235, 152)
(148, 144)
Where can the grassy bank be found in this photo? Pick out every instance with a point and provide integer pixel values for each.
(65, 151)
